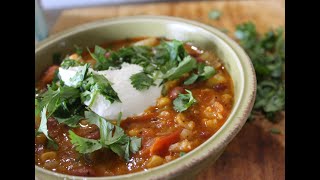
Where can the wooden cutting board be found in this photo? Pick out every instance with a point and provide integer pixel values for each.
(255, 153)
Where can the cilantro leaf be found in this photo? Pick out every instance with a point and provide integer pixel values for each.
(108, 132)
(98, 83)
(135, 144)
(55, 98)
(113, 137)
(43, 124)
(70, 63)
(84, 145)
(141, 81)
(176, 50)
(121, 150)
(204, 73)
(79, 50)
(101, 60)
(193, 78)
(43, 128)
(215, 14)
(186, 65)
(183, 101)
(70, 121)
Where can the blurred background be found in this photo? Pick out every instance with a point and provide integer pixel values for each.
(258, 150)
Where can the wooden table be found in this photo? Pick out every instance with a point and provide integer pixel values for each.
(255, 153)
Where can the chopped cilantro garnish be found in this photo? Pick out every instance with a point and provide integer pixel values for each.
(84, 145)
(56, 98)
(183, 101)
(98, 84)
(70, 63)
(111, 137)
(141, 81)
(186, 65)
(70, 121)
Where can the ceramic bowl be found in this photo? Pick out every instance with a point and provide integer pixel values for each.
(206, 37)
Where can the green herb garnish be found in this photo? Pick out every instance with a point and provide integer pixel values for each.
(141, 81)
(204, 73)
(84, 145)
(54, 99)
(183, 101)
(185, 66)
(98, 84)
(70, 63)
(70, 121)
(111, 137)
(44, 129)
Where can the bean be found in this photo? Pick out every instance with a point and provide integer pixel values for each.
(48, 156)
(173, 94)
(163, 101)
(41, 139)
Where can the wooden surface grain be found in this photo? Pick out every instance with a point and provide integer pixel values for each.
(255, 153)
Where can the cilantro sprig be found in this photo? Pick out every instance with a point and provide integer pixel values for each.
(111, 137)
(204, 72)
(141, 81)
(96, 83)
(183, 101)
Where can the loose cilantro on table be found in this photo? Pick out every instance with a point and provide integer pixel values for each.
(267, 53)
(183, 101)
(215, 14)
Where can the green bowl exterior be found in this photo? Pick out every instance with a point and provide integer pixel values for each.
(206, 37)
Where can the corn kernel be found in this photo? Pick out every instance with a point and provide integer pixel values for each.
(154, 161)
(163, 101)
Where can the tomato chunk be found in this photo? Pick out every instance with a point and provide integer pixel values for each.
(161, 144)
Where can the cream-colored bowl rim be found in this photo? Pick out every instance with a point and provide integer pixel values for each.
(214, 144)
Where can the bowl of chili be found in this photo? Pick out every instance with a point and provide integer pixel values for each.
(203, 99)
